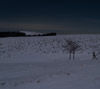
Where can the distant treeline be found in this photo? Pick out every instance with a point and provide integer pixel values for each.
(11, 34)
(47, 34)
(21, 34)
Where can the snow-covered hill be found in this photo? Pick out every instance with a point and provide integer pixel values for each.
(31, 33)
(25, 47)
(43, 63)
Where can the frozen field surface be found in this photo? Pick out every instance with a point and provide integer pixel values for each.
(42, 63)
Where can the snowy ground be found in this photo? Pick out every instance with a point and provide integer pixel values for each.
(40, 63)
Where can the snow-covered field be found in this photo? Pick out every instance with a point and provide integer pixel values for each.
(43, 63)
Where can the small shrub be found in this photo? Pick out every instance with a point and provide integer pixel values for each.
(2, 83)
(38, 81)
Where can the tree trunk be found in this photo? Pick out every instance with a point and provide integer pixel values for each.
(73, 55)
(70, 56)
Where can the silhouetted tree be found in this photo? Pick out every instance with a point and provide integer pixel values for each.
(71, 47)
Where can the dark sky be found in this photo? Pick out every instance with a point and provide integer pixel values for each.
(65, 16)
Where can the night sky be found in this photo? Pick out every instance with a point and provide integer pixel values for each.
(64, 17)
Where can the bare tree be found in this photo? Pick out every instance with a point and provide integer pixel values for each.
(71, 47)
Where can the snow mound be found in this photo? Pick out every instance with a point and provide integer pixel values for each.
(31, 33)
